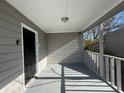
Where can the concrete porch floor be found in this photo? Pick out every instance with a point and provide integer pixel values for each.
(68, 78)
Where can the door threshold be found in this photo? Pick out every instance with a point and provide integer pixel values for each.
(28, 85)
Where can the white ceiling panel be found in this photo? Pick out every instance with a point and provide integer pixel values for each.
(47, 14)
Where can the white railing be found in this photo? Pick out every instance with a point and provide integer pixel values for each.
(112, 69)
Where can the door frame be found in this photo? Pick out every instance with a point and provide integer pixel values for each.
(36, 51)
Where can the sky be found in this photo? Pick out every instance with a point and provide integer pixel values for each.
(119, 20)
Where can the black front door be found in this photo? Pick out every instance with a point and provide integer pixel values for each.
(29, 54)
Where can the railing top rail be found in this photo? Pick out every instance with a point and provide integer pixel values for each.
(119, 58)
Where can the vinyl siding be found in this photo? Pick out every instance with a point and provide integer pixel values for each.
(117, 47)
(64, 48)
(11, 66)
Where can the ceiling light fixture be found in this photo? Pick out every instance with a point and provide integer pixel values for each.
(65, 18)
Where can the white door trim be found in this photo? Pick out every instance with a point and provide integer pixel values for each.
(36, 49)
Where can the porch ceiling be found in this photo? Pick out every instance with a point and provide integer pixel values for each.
(47, 14)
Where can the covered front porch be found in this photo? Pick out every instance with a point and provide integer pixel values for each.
(61, 46)
(68, 78)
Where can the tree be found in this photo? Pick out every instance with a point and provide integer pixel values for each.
(111, 25)
(91, 37)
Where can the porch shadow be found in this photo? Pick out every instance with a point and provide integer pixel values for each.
(73, 78)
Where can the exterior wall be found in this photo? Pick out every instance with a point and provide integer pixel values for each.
(11, 66)
(115, 42)
(64, 48)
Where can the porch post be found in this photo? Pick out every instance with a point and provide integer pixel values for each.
(101, 50)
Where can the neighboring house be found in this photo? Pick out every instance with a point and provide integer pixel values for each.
(115, 42)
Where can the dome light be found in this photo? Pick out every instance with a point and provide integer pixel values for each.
(65, 19)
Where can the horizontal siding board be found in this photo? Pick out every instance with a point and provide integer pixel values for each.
(9, 49)
(9, 25)
(7, 74)
(7, 66)
(64, 48)
(6, 28)
(10, 78)
(8, 18)
(10, 60)
(8, 41)
(8, 53)
(8, 33)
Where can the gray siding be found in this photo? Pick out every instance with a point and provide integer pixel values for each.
(64, 48)
(115, 43)
(11, 67)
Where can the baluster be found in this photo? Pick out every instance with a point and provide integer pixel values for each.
(112, 71)
(95, 62)
(118, 66)
(98, 63)
(92, 61)
(90, 54)
(107, 68)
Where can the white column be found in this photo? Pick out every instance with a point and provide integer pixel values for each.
(101, 49)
